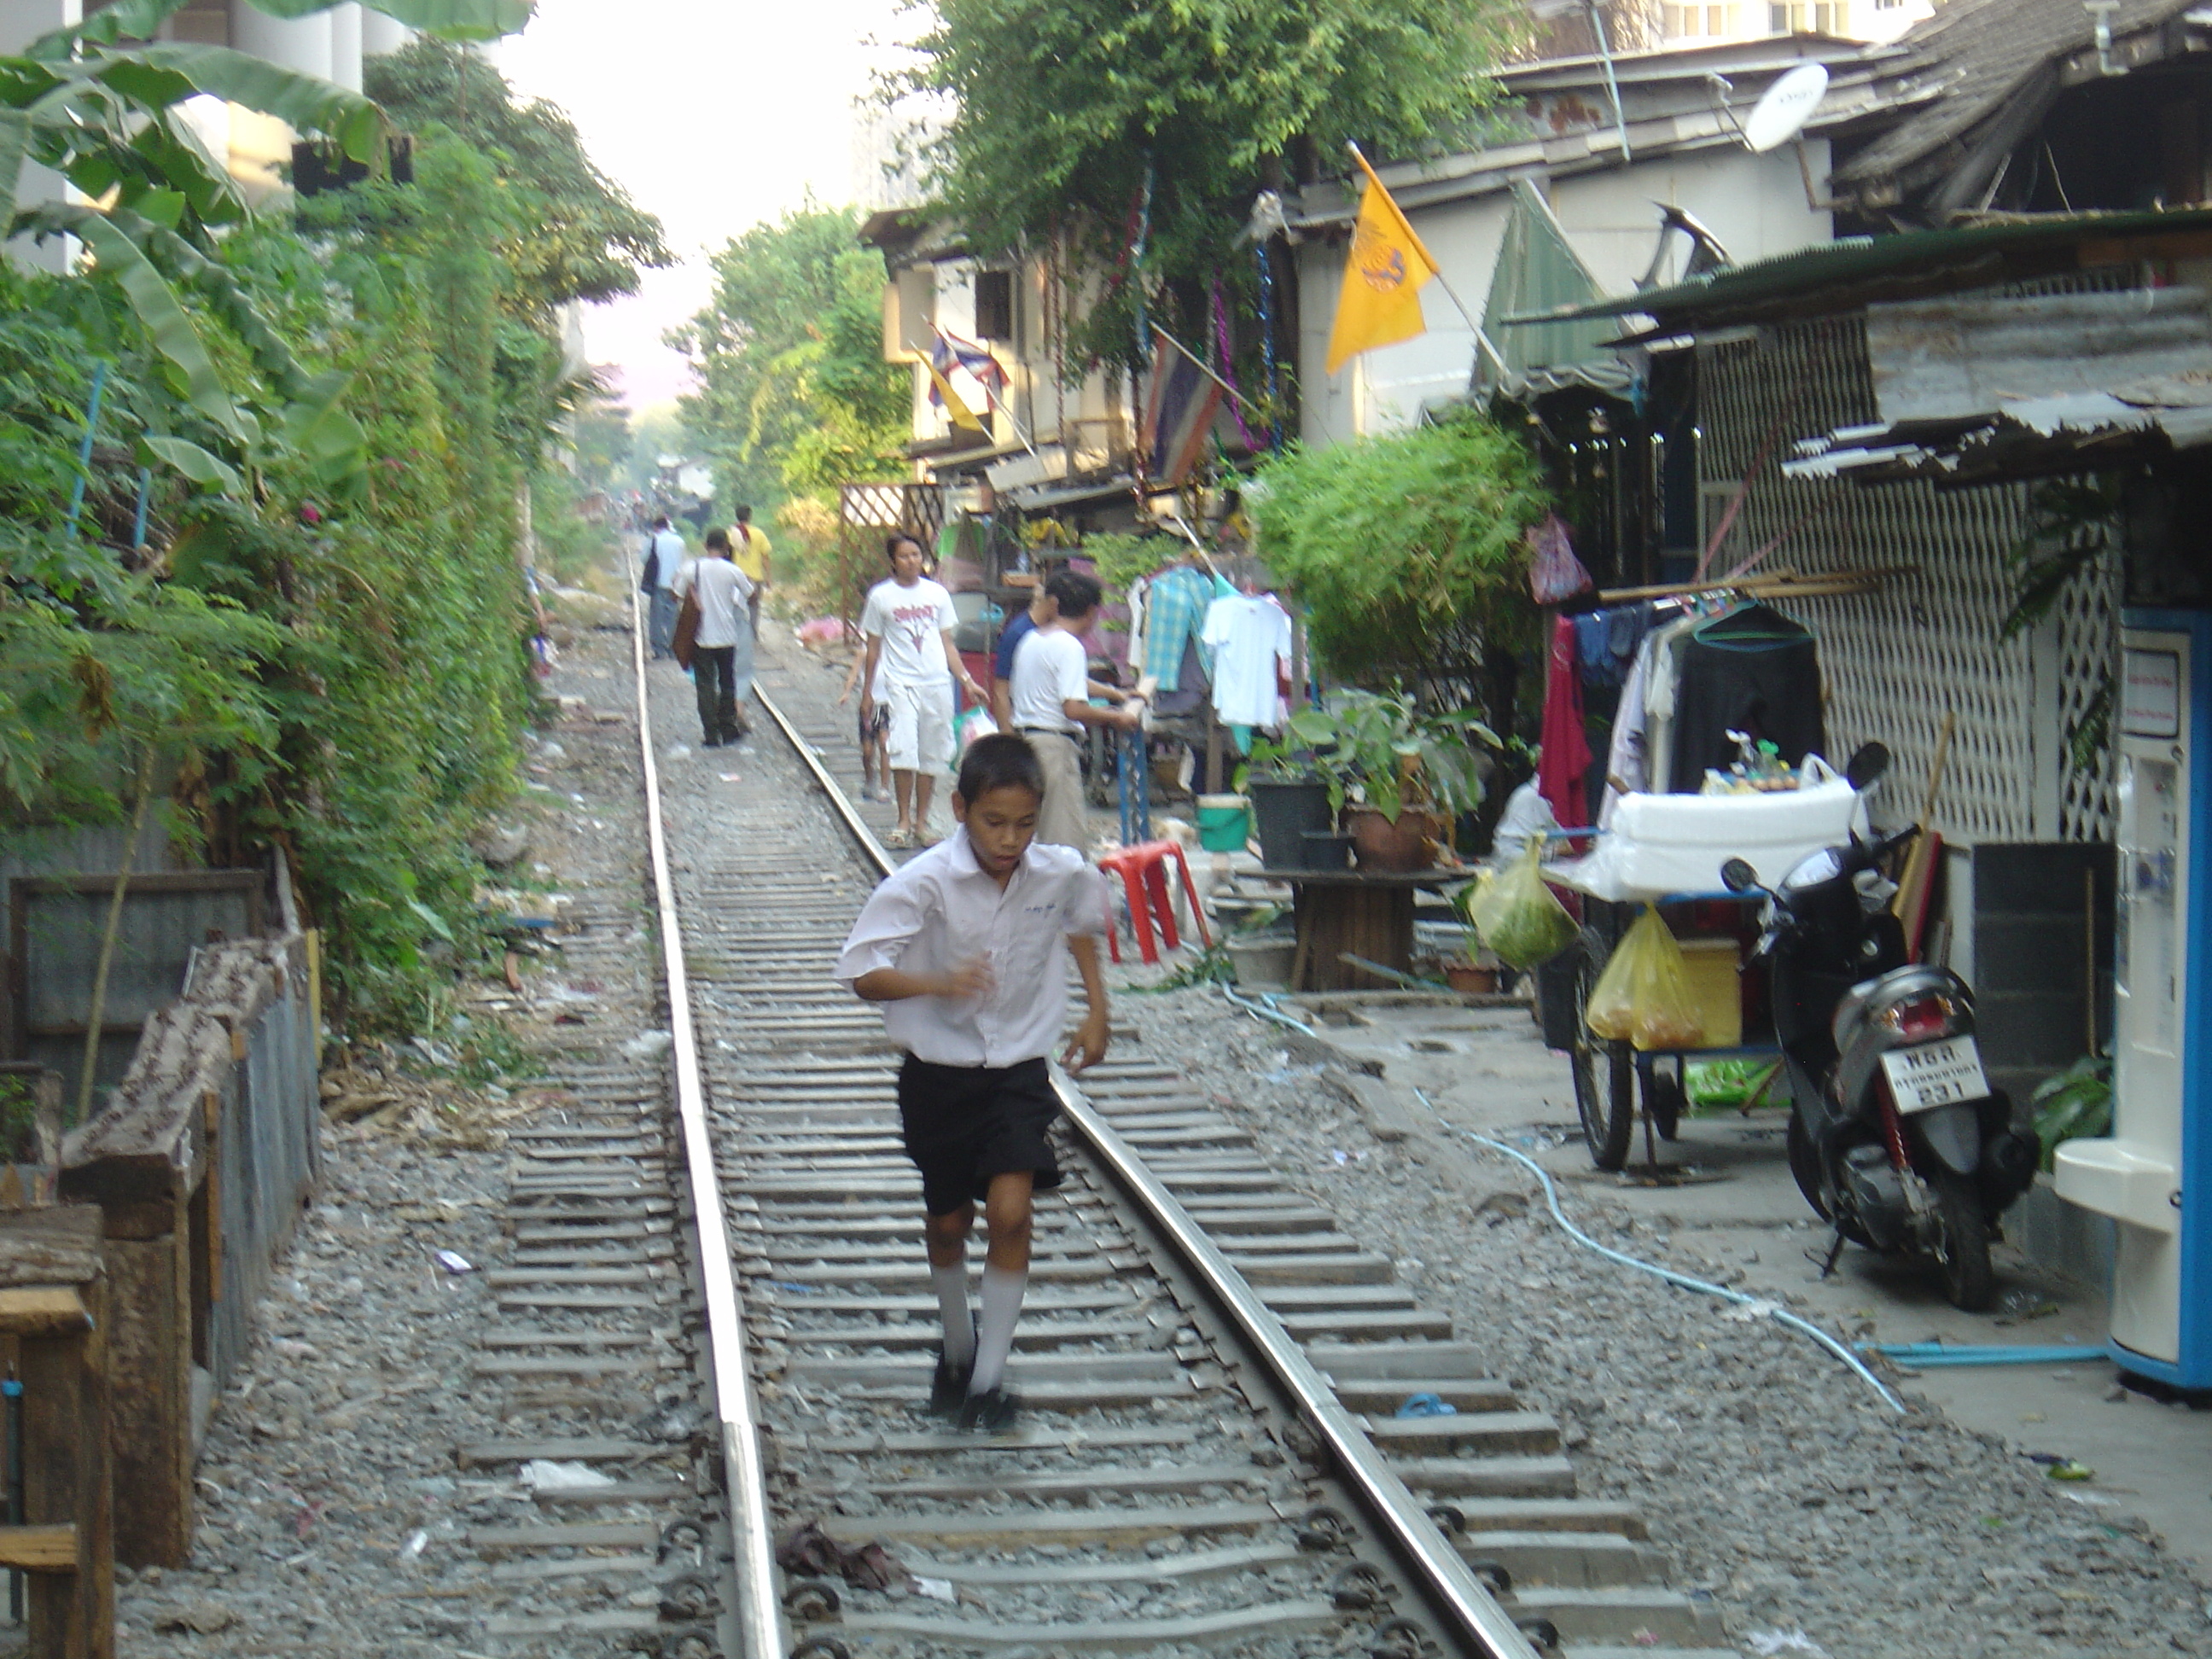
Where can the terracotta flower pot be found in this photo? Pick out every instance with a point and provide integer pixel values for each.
(1469, 978)
(1408, 844)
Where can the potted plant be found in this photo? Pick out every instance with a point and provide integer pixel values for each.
(1289, 798)
(1398, 777)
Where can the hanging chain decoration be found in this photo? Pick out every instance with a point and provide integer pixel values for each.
(1267, 344)
(1229, 368)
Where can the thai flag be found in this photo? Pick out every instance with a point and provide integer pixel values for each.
(978, 361)
(1178, 415)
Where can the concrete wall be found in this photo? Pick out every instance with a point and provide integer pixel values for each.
(1754, 204)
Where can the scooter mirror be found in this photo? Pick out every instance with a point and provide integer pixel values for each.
(1738, 877)
(1866, 767)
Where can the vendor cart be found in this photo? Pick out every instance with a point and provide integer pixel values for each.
(1717, 932)
(1666, 851)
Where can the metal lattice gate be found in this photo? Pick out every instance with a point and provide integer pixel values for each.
(1898, 659)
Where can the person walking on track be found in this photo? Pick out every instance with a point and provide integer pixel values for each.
(722, 650)
(751, 554)
(1051, 703)
(966, 947)
(663, 557)
(908, 621)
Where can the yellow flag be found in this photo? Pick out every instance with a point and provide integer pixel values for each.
(1380, 303)
(955, 404)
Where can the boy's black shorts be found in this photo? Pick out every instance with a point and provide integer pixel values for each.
(964, 1124)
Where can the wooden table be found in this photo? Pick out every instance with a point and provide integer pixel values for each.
(1368, 913)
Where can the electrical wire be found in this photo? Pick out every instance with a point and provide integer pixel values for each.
(1781, 1316)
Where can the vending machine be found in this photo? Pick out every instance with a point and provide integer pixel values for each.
(2152, 1176)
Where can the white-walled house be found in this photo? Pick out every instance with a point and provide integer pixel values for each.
(1679, 114)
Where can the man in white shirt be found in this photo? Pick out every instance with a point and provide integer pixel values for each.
(909, 621)
(726, 635)
(967, 947)
(1050, 704)
(665, 553)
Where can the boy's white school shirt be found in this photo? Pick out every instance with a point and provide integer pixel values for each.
(940, 909)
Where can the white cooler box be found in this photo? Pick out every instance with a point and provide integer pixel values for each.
(1657, 845)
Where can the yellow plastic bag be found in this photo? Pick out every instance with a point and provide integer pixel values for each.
(1642, 996)
(1517, 916)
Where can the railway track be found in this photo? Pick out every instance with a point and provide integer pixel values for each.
(1211, 1460)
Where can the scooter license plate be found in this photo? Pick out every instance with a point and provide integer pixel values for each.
(1935, 1074)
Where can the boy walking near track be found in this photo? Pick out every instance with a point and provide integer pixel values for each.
(966, 946)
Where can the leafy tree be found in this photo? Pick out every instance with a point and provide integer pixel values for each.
(1406, 550)
(1082, 126)
(571, 233)
(795, 397)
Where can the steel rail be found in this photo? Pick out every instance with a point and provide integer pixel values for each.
(1457, 1596)
(744, 1478)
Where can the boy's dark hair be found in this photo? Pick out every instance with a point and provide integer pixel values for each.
(660, 521)
(718, 541)
(745, 515)
(1077, 595)
(891, 544)
(1003, 760)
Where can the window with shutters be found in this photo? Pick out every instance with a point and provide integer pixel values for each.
(994, 305)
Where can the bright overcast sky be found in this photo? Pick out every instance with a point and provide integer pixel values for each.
(715, 114)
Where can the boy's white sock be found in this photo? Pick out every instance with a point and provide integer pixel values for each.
(951, 1284)
(1002, 1306)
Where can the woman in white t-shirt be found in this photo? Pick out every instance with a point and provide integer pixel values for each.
(908, 621)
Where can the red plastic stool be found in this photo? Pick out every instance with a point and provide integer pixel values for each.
(1144, 875)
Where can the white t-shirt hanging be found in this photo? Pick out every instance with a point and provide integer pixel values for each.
(1050, 671)
(1249, 637)
(910, 621)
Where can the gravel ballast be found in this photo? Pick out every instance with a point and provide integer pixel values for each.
(1784, 1488)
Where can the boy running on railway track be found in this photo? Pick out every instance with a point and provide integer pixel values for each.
(966, 946)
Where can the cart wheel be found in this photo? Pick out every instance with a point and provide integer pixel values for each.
(1605, 1073)
(1664, 1097)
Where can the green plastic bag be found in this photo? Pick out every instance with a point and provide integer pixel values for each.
(1642, 996)
(1517, 916)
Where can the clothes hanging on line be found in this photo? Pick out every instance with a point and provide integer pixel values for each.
(1627, 758)
(1753, 670)
(1562, 770)
(1250, 637)
(1175, 613)
(1606, 641)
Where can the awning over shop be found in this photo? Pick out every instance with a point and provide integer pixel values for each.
(1538, 271)
(1975, 386)
(1858, 271)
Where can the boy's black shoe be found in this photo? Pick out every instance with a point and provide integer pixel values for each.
(948, 1387)
(992, 1412)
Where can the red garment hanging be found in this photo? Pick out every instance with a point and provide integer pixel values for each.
(1563, 770)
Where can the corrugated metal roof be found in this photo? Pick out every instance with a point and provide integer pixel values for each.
(1984, 55)
(1847, 275)
(2027, 387)
(1954, 357)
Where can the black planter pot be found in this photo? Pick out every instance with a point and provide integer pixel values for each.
(1327, 849)
(1283, 810)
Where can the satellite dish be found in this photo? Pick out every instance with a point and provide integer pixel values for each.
(1782, 111)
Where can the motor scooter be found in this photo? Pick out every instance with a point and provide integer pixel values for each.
(1895, 1136)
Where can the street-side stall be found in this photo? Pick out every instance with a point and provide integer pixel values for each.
(2016, 408)
(1657, 973)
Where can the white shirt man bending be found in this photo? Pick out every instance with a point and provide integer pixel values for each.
(909, 621)
(1051, 705)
